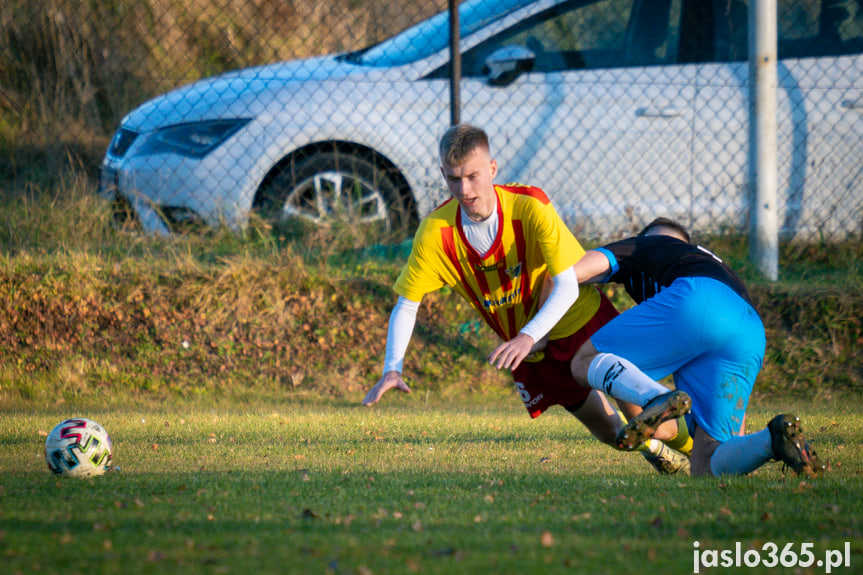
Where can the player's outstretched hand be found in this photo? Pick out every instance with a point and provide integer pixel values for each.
(509, 354)
(391, 379)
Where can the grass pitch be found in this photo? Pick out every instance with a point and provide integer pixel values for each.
(410, 487)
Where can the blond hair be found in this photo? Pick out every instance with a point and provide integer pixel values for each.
(459, 142)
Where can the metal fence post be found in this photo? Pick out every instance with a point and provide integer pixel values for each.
(763, 217)
(455, 64)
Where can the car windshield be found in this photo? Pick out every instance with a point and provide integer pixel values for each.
(432, 35)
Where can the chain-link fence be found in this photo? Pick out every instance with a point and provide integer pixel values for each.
(621, 110)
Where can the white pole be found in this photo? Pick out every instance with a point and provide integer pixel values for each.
(764, 232)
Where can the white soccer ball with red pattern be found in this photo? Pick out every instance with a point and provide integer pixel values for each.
(79, 447)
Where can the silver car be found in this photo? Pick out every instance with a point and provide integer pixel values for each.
(619, 109)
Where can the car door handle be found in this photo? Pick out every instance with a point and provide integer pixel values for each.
(853, 104)
(659, 112)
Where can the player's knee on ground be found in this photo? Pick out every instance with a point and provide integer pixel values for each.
(702, 451)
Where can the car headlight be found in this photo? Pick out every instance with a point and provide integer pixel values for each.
(195, 140)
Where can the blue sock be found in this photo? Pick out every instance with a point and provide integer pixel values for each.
(742, 454)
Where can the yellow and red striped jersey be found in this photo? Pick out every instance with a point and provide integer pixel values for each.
(504, 284)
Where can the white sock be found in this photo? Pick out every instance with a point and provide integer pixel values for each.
(620, 379)
(742, 454)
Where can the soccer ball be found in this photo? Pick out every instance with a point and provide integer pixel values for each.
(79, 447)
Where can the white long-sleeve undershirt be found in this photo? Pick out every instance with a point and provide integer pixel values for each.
(563, 294)
(402, 320)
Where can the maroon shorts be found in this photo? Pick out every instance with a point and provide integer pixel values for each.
(549, 381)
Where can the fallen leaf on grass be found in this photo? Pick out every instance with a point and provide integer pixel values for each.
(445, 552)
(154, 556)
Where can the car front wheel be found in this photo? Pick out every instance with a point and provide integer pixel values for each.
(338, 187)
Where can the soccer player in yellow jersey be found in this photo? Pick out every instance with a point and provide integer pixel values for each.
(495, 245)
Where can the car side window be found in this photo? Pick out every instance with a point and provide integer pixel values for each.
(850, 26)
(655, 37)
(820, 28)
(805, 28)
(587, 34)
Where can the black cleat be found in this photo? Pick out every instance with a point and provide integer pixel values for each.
(658, 410)
(790, 447)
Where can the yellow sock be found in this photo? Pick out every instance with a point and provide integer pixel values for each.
(682, 442)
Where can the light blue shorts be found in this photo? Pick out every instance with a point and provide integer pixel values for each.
(705, 335)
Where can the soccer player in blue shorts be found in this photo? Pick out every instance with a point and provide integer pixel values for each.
(694, 320)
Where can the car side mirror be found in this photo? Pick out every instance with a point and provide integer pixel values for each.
(508, 63)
